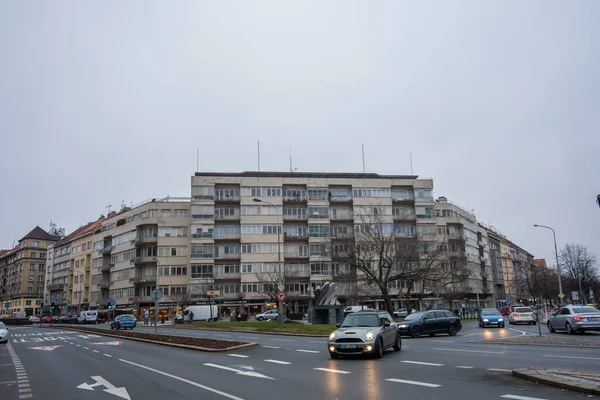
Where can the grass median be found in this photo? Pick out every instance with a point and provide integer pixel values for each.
(266, 327)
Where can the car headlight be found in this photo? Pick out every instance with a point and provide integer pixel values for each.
(500, 319)
(370, 335)
(332, 336)
(402, 326)
(485, 320)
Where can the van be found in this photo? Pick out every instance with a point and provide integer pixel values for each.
(201, 313)
(88, 317)
(352, 309)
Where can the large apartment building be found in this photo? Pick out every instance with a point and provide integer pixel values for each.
(139, 249)
(235, 218)
(22, 272)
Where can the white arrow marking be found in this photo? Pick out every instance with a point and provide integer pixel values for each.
(116, 343)
(237, 371)
(110, 388)
(44, 348)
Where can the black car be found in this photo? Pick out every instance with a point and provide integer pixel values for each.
(431, 322)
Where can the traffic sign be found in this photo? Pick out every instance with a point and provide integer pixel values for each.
(437, 290)
(7, 305)
(212, 293)
(114, 303)
(52, 299)
(575, 295)
(281, 287)
(561, 295)
(281, 296)
(156, 295)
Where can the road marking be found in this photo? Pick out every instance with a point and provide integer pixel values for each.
(498, 370)
(308, 351)
(578, 358)
(335, 371)
(423, 363)
(239, 372)
(107, 355)
(431, 385)
(471, 351)
(8, 382)
(87, 348)
(463, 367)
(207, 388)
(78, 345)
(6, 365)
(238, 355)
(522, 333)
(23, 385)
(25, 396)
(271, 347)
(515, 397)
(472, 334)
(95, 351)
(120, 392)
(278, 362)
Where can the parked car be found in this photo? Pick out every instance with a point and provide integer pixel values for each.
(575, 319)
(88, 317)
(34, 319)
(365, 333)
(401, 313)
(505, 310)
(72, 319)
(521, 314)
(46, 319)
(3, 333)
(431, 322)
(125, 321)
(490, 316)
(269, 314)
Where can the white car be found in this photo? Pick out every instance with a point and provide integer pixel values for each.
(521, 315)
(270, 315)
(3, 333)
(34, 319)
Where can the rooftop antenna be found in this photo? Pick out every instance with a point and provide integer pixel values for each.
(259, 158)
(108, 207)
(363, 160)
(411, 168)
(291, 169)
(197, 159)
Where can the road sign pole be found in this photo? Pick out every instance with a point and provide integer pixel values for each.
(156, 317)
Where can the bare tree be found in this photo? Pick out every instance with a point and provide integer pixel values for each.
(384, 254)
(580, 265)
(548, 284)
(527, 279)
(192, 292)
(269, 277)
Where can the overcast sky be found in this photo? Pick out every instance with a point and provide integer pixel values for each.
(108, 101)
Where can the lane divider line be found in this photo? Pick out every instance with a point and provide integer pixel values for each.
(335, 371)
(417, 383)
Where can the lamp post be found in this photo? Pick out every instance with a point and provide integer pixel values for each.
(561, 294)
(280, 316)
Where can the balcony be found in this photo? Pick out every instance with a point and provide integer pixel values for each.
(204, 235)
(340, 199)
(221, 217)
(144, 279)
(454, 236)
(291, 237)
(56, 286)
(145, 240)
(299, 199)
(227, 256)
(86, 267)
(106, 250)
(226, 237)
(227, 199)
(342, 217)
(105, 267)
(424, 198)
(403, 200)
(409, 217)
(223, 276)
(104, 285)
(144, 260)
(302, 217)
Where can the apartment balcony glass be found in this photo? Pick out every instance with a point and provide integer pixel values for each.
(423, 195)
(227, 195)
(143, 279)
(144, 259)
(145, 239)
(106, 250)
(56, 286)
(294, 195)
(403, 195)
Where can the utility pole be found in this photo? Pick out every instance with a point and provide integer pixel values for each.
(561, 295)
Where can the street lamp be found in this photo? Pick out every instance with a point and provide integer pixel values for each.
(280, 316)
(561, 294)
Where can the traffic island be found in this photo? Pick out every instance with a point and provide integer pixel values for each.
(556, 340)
(264, 327)
(577, 381)
(201, 344)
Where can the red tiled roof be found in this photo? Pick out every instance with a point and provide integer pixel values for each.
(3, 252)
(540, 262)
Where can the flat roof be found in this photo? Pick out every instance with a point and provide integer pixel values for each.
(271, 174)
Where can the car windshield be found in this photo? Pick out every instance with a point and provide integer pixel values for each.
(126, 317)
(358, 320)
(523, 309)
(490, 311)
(414, 316)
(2, 326)
(585, 310)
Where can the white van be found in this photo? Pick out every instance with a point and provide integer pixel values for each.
(88, 317)
(201, 313)
(352, 309)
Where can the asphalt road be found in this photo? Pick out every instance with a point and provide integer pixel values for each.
(61, 364)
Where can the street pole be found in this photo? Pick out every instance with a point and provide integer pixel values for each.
(280, 315)
(156, 303)
(560, 289)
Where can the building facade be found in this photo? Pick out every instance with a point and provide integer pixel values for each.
(23, 273)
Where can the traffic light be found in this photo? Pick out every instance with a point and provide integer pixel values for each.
(109, 306)
(42, 305)
(52, 306)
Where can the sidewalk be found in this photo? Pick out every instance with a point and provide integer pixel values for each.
(544, 340)
(577, 381)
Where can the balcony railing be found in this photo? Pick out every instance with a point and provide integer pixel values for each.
(142, 279)
(424, 198)
(302, 217)
(222, 198)
(227, 255)
(226, 276)
(295, 199)
(105, 267)
(295, 236)
(86, 267)
(204, 235)
(145, 239)
(342, 216)
(104, 285)
(106, 250)
(224, 236)
(56, 286)
(144, 259)
(227, 217)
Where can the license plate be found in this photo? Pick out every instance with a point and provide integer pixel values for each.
(493, 322)
(347, 346)
(594, 319)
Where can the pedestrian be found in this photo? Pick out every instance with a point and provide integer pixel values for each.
(146, 317)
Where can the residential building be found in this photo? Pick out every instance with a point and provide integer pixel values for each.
(540, 263)
(22, 271)
(139, 249)
(235, 218)
(467, 242)
(497, 269)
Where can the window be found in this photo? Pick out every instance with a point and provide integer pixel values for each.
(423, 195)
(32, 267)
(30, 289)
(30, 278)
(172, 231)
(202, 231)
(202, 251)
(165, 213)
(318, 194)
(294, 212)
(318, 212)
(261, 191)
(425, 212)
(426, 230)
(294, 194)
(202, 271)
(167, 251)
(318, 231)
(247, 268)
(83, 247)
(181, 213)
(226, 194)
(227, 231)
(33, 254)
(27, 302)
(317, 249)
(402, 194)
(40, 267)
(297, 231)
(76, 279)
(259, 210)
(178, 270)
(203, 192)
(320, 268)
(250, 288)
(259, 229)
(226, 213)
(371, 192)
(260, 248)
(35, 243)
(76, 263)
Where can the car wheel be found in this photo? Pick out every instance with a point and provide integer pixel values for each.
(334, 355)
(398, 343)
(260, 318)
(378, 349)
(416, 331)
(570, 330)
(551, 328)
(502, 326)
(533, 323)
(452, 330)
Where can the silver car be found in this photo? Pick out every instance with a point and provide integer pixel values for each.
(575, 319)
(270, 315)
(3, 333)
(368, 333)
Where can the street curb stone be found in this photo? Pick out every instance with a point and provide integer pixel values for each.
(258, 333)
(184, 346)
(534, 376)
